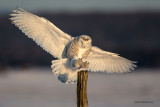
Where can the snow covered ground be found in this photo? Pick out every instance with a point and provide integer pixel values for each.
(38, 87)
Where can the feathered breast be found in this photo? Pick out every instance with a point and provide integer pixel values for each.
(72, 49)
(75, 50)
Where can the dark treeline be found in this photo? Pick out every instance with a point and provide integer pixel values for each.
(135, 36)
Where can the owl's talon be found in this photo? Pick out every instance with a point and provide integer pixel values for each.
(78, 63)
(85, 64)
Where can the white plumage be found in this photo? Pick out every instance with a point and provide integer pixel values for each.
(81, 52)
(71, 58)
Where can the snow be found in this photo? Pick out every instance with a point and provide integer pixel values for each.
(38, 87)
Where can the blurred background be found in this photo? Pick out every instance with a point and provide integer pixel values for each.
(130, 28)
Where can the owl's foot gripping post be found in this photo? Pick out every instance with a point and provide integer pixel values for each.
(85, 64)
(80, 64)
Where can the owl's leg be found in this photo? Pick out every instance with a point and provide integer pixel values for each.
(76, 63)
(85, 64)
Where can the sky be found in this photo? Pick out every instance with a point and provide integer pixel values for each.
(75, 6)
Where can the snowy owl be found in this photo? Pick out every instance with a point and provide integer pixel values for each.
(73, 53)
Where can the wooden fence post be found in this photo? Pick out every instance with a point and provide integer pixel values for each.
(82, 100)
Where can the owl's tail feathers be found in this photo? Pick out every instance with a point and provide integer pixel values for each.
(63, 70)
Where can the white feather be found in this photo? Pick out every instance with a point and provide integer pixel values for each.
(104, 61)
(63, 70)
(81, 52)
(42, 31)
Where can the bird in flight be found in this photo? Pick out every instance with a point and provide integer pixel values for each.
(73, 53)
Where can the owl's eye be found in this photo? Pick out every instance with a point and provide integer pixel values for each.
(85, 39)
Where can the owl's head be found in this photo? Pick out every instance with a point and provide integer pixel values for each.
(84, 41)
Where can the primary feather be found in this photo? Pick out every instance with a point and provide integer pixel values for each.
(42, 31)
(104, 61)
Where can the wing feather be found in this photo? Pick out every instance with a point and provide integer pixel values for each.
(42, 31)
(104, 61)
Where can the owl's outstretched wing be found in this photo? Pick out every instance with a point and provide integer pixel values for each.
(42, 31)
(104, 61)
